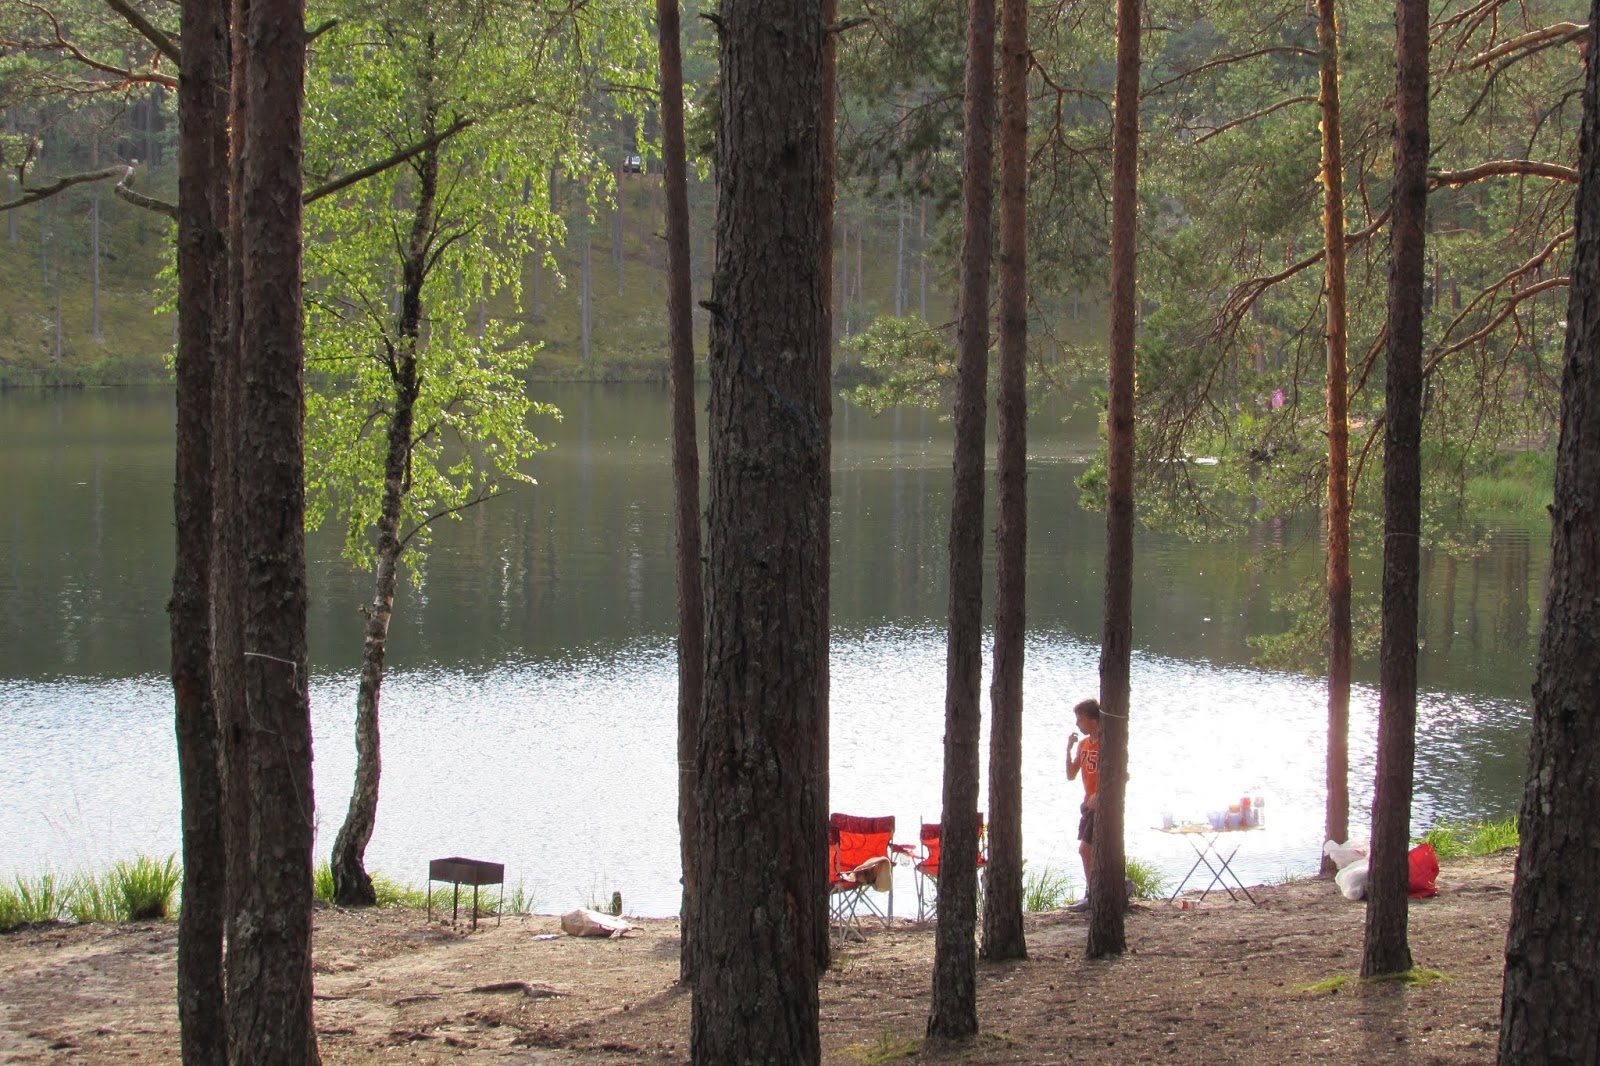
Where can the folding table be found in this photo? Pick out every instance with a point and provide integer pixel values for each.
(1203, 839)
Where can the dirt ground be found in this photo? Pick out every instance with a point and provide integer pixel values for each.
(1222, 983)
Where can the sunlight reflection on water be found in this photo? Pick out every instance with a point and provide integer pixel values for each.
(564, 769)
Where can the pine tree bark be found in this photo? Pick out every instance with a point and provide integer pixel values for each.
(922, 258)
(585, 292)
(685, 460)
(1338, 401)
(1386, 949)
(953, 1011)
(271, 1002)
(1107, 934)
(202, 314)
(616, 228)
(830, 98)
(1002, 899)
(13, 234)
(227, 567)
(94, 244)
(755, 996)
(1552, 977)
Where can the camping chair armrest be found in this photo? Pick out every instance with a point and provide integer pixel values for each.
(909, 852)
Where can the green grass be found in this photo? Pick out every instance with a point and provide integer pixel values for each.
(143, 887)
(140, 889)
(889, 1047)
(1412, 978)
(519, 900)
(1491, 837)
(1453, 840)
(322, 883)
(1148, 883)
(27, 901)
(1447, 844)
(90, 899)
(1522, 483)
(599, 900)
(390, 893)
(1328, 984)
(1045, 890)
(1415, 977)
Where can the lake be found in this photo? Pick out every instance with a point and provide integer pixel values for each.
(529, 713)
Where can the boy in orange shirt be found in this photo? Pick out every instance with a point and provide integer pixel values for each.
(1084, 757)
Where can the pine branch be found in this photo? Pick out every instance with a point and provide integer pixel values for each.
(124, 191)
(1541, 38)
(163, 41)
(61, 184)
(1499, 168)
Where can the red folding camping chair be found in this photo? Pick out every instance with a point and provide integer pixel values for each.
(927, 867)
(858, 864)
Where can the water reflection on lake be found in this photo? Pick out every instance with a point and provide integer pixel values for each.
(529, 717)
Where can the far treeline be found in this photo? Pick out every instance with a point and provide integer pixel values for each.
(1328, 243)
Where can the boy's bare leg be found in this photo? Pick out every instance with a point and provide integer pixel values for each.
(1086, 853)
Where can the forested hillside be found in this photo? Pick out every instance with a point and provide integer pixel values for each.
(48, 302)
(1231, 284)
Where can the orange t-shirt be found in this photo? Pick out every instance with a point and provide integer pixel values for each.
(1089, 764)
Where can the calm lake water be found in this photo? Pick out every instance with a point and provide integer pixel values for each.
(529, 713)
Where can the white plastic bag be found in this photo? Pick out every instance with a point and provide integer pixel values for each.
(592, 923)
(1352, 879)
(1344, 854)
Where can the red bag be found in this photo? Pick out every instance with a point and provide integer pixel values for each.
(1424, 871)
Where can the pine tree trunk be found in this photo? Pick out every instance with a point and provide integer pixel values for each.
(685, 462)
(755, 997)
(1002, 900)
(616, 231)
(202, 311)
(227, 567)
(13, 232)
(536, 284)
(953, 1012)
(585, 293)
(844, 274)
(1386, 949)
(1107, 933)
(1552, 977)
(94, 245)
(271, 1001)
(60, 335)
(861, 255)
(922, 258)
(1338, 806)
(900, 255)
(830, 98)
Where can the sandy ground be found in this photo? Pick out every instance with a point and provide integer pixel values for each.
(1223, 983)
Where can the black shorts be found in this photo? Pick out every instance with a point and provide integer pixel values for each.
(1085, 822)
